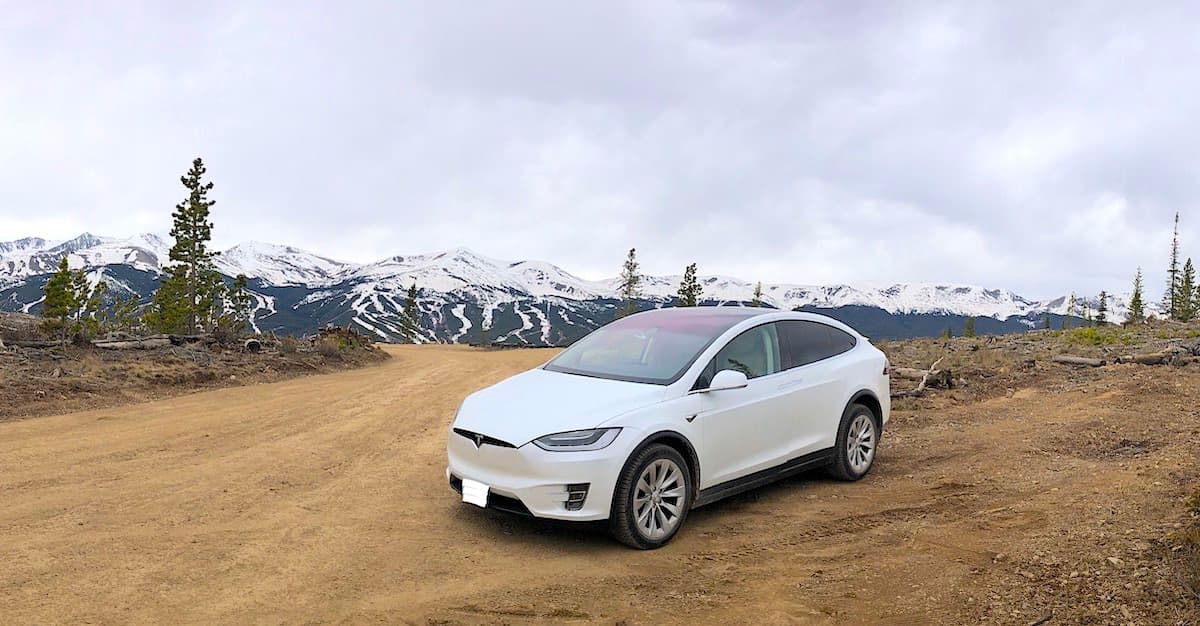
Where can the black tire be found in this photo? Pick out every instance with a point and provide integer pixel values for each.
(622, 520)
(842, 468)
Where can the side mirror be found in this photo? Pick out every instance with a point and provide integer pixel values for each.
(727, 379)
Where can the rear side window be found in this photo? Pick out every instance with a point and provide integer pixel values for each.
(803, 342)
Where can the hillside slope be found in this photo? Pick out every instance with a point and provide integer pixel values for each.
(519, 302)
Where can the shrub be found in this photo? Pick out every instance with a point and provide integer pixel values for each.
(288, 345)
(1089, 336)
(223, 334)
(1099, 336)
(329, 347)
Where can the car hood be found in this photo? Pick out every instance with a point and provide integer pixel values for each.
(540, 402)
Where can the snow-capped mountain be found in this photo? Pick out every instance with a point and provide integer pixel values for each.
(278, 265)
(29, 244)
(460, 291)
(33, 255)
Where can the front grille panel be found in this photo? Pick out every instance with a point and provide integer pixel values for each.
(480, 439)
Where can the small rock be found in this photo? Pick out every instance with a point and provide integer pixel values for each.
(1115, 561)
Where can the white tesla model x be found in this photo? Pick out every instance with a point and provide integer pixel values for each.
(670, 409)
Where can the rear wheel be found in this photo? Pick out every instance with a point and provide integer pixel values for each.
(652, 498)
(857, 440)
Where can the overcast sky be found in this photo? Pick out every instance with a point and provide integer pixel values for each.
(815, 142)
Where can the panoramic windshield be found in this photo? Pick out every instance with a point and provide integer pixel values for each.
(655, 348)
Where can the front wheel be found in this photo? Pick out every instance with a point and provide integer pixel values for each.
(652, 498)
(858, 437)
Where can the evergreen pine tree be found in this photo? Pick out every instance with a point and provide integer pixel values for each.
(410, 325)
(92, 316)
(1170, 303)
(757, 298)
(191, 297)
(690, 289)
(124, 316)
(168, 311)
(1185, 299)
(1071, 304)
(484, 330)
(1137, 306)
(1102, 309)
(60, 302)
(947, 334)
(969, 327)
(630, 284)
(240, 300)
(79, 287)
(1196, 300)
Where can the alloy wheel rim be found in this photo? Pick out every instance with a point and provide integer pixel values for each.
(658, 499)
(860, 444)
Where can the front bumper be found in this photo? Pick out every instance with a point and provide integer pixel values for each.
(536, 480)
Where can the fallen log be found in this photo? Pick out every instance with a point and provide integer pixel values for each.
(1151, 358)
(34, 344)
(1067, 359)
(941, 379)
(919, 390)
(180, 340)
(134, 344)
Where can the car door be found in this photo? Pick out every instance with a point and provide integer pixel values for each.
(741, 430)
(811, 358)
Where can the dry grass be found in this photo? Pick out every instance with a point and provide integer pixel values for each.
(288, 345)
(1190, 549)
(329, 348)
(45, 381)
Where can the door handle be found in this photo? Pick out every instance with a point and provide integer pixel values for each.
(791, 383)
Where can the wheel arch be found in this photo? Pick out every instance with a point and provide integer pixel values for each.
(867, 398)
(682, 445)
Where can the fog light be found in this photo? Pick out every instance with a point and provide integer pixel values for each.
(576, 494)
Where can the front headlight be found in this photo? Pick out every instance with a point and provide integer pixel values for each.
(578, 440)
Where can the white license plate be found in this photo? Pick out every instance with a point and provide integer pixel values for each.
(474, 492)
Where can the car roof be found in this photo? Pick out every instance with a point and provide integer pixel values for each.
(743, 316)
(732, 311)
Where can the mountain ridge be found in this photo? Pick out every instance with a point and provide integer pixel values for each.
(455, 280)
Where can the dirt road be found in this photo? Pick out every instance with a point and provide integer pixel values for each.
(323, 500)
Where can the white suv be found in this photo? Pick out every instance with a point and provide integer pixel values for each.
(670, 409)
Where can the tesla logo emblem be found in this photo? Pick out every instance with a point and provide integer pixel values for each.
(478, 440)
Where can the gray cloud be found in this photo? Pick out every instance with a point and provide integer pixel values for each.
(1002, 145)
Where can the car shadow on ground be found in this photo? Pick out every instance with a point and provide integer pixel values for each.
(503, 528)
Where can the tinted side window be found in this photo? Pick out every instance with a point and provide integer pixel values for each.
(839, 341)
(808, 342)
(754, 353)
